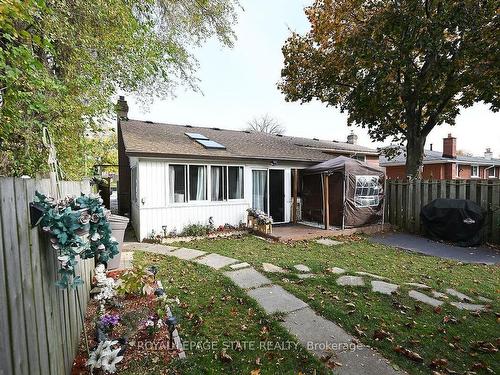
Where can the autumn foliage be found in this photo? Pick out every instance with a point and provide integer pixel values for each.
(399, 68)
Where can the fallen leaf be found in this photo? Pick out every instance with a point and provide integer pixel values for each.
(439, 363)
(255, 372)
(438, 309)
(414, 356)
(380, 334)
(224, 357)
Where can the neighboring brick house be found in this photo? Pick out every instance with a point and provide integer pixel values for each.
(446, 165)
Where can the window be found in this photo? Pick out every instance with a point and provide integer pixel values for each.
(361, 158)
(474, 171)
(219, 183)
(197, 183)
(227, 183)
(259, 190)
(491, 172)
(367, 191)
(235, 182)
(178, 186)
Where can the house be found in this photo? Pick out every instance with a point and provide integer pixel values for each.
(174, 175)
(446, 165)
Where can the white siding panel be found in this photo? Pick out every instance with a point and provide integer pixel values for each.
(177, 217)
(153, 184)
(154, 210)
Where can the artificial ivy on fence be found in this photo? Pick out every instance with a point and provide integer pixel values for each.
(78, 227)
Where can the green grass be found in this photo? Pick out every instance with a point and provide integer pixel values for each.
(414, 326)
(213, 310)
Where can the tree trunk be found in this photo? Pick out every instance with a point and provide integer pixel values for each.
(415, 156)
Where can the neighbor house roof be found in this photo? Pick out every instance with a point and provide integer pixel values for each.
(436, 157)
(143, 138)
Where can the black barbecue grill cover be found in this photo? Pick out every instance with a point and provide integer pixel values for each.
(456, 220)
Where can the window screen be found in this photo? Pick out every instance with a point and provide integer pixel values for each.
(178, 183)
(235, 176)
(367, 191)
(197, 183)
(219, 186)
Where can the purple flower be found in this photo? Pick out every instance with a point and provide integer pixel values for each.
(110, 320)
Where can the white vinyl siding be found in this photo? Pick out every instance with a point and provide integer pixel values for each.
(156, 208)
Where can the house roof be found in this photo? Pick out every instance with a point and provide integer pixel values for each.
(143, 138)
(436, 157)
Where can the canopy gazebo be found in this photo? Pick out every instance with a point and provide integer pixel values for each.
(342, 192)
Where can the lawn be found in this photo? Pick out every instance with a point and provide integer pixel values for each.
(227, 331)
(447, 339)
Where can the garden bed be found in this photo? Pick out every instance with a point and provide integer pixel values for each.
(134, 323)
(218, 234)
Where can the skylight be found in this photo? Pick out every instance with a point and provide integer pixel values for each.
(196, 136)
(207, 143)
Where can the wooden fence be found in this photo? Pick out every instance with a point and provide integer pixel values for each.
(404, 199)
(40, 324)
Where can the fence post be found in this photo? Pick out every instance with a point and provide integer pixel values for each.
(410, 219)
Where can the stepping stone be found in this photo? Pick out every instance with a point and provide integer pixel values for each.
(424, 298)
(302, 268)
(328, 242)
(237, 266)
(247, 278)
(161, 249)
(418, 285)
(350, 280)
(371, 275)
(268, 267)
(468, 306)
(439, 295)
(216, 261)
(336, 270)
(460, 296)
(383, 287)
(322, 337)
(305, 275)
(484, 299)
(276, 299)
(186, 254)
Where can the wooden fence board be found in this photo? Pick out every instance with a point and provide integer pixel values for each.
(14, 283)
(417, 204)
(6, 366)
(22, 217)
(38, 296)
(40, 324)
(406, 200)
(495, 217)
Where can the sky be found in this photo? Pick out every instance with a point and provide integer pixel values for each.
(239, 84)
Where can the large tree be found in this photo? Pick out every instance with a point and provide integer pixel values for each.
(265, 124)
(61, 62)
(398, 67)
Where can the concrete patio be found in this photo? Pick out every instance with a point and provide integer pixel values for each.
(301, 232)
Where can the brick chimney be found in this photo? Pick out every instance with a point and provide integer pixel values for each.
(488, 154)
(450, 147)
(352, 138)
(122, 108)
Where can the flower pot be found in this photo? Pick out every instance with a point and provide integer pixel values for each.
(118, 226)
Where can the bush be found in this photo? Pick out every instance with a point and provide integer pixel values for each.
(194, 230)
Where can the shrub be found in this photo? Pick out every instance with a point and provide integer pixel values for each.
(194, 230)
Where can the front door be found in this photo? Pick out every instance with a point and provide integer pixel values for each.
(277, 195)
